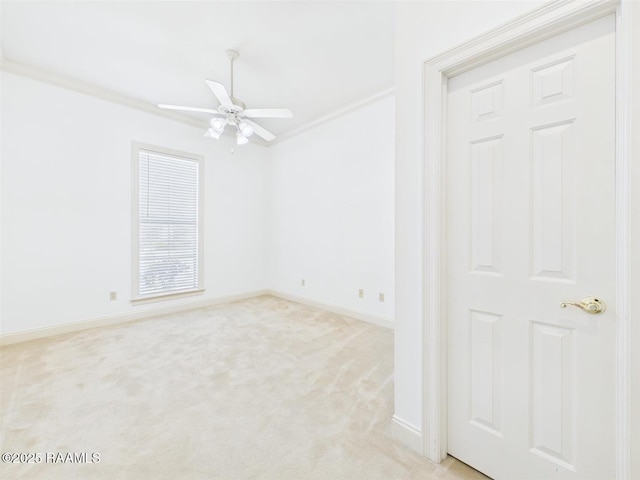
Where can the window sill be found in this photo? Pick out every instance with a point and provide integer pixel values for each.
(166, 296)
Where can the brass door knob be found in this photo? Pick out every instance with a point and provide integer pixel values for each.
(592, 305)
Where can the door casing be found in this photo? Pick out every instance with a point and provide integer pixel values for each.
(542, 23)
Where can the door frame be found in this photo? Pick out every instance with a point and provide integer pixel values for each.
(540, 24)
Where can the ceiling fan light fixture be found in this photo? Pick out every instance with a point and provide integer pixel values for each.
(246, 129)
(217, 124)
(241, 139)
(214, 133)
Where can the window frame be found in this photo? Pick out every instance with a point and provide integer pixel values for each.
(136, 297)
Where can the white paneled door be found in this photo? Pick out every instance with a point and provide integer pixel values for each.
(530, 225)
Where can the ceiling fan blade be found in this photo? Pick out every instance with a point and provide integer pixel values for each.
(187, 109)
(268, 113)
(258, 130)
(220, 92)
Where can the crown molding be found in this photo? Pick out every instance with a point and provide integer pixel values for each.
(335, 114)
(79, 86)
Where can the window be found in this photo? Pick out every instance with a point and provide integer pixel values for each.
(167, 230)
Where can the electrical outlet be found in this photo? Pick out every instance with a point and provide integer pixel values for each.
(361, 293)
(302, 282)
(381, 297)
(113, 296)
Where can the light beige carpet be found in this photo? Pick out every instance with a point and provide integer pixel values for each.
(258, 389)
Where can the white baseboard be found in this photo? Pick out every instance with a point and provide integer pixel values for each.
(407, 434)
(18, 337)
(358, 315)
(37, 333)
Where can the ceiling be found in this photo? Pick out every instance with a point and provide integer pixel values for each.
(312, 57)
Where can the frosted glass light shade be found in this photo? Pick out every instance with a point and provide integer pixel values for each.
(218, 124)
(214, 134)
(246, 129)
(241, 139)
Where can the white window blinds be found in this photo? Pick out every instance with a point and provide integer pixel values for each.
(168, 223)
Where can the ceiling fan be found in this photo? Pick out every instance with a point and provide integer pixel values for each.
(233, 112)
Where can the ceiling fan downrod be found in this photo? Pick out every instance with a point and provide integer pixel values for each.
(232, 55)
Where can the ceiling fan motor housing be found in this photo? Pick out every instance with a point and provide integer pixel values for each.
(236, 109)
(233, 112)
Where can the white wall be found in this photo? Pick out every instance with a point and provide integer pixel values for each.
(331, 211)
(1, 77)
(318, 206)
(423, 29)
(66, 205)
